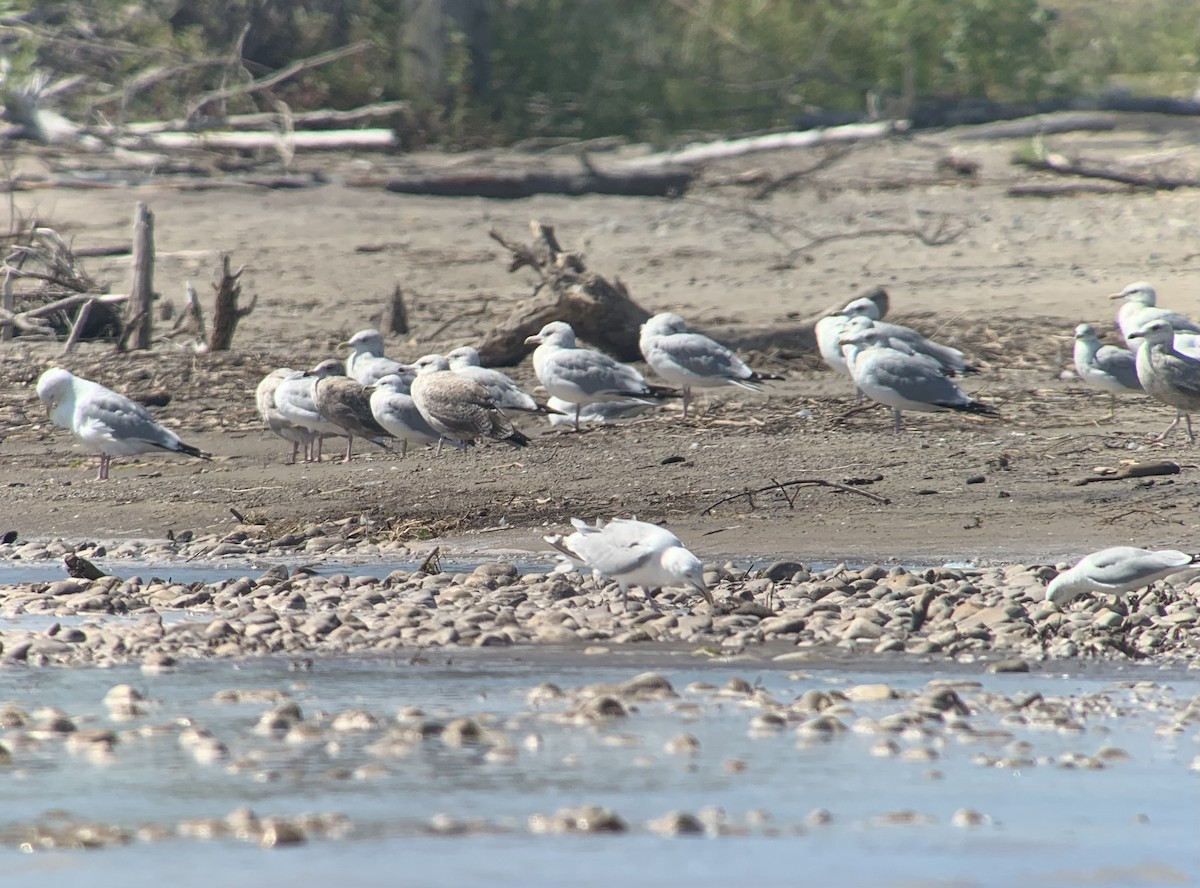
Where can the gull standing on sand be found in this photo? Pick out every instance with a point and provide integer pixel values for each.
(691, 359)
(1167, 374)
(952, 361)
(904, 381)
(264, 398)
(366, 363)
(585, 376)
(347, 404)
(296, 402)
(457, 408)
(829, 332)
(634, 553)
(104, 421)
(1139, 309)
(394, 408)
(464, 361)
(1116, 570)
(1107, 367)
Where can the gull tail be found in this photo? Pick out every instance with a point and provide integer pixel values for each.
(977, 407)
(516, 439)
(652, 393)
(540, 410)
(189, 450)
(757, 376)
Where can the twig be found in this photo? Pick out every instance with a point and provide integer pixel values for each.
(475, 312)
(820, 482)
(77, 328)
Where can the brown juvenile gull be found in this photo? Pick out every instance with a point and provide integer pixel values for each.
(264, 397)
(464, 361)
(104, 421)
(366, 363)
(394, 409)
(456, 407)
(1167, 374)
(904, 380)
(585, 376)
(689, 359)
(1140, 308)
(347, 404)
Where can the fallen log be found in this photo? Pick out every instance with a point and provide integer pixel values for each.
(1064, 189)
(304, 140)
(1065, 166)
(513, 185)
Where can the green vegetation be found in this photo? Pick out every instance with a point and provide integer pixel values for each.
(497, 70)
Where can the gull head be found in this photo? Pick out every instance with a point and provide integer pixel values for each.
(393, 382)
(862, 338)
(687, 569)
(330, 367)
(1140, 292)
(53, 386)
(864, 308)
(1064, 588)
(664, 324)
(368, 341)
(463, 356)
(1086, 333)
(429, 364)
(1158, 332)
(555, 333)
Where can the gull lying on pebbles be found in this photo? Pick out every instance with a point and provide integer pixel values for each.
(394, 409)
(601, 412)
(264, 397)
(366, 363)
(952, 361)
(1116, 570)
(634, 553)
(690, 359)
(464, 361)
(904, 381)
(1139, 309)
(347, 404)
(1107, 367)
(584, 376)
(457, 408)
(296, 403)
(1166, 374)
(104, 421)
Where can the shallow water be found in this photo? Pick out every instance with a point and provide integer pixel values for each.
(1048, 825)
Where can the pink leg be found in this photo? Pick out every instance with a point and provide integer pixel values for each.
(349, 446)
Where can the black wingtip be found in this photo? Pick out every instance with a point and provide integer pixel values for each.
(756, 376)
(517, 439)
(189, 450)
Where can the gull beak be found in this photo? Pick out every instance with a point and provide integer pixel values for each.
(343, 345)
(708, 596)
(1117, 295)
(1136, 334)
(533, 340)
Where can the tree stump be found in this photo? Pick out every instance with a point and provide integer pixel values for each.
(142, 293)
(395, 316)
(226, 313)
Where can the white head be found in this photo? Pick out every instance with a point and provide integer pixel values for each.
(463, 356)
(664, 324)
(555, 333)
(1158, 332)
(394, 383)
(429, 364)
(330, 367)
(53, 386)
(365, 341)
(687, 568)
(861, 308)
(1140, 292)
(1064, 588)
(862, 338)
(1086, 333)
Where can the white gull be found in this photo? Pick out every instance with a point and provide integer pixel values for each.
(1116, 570)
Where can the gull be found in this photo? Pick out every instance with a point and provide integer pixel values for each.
(1166, 374)
(585, 376)
(264, 397)
(1117, 570)
(602, 412)
(296, 403)
(1139, 309)
(1107, 367)
(104, 421)
(952, 361)
(691, 359)
(457, 408)
(347, 404)
(464, 361)
(394, 408)
(829, 331)
(903, 380)
(634, 553)
(366, 363)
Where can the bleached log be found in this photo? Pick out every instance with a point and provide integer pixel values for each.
(77, 327)
(305, 140)
(141, 294)
(264, 119)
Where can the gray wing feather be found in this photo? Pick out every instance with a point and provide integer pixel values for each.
(915, 379)
(594, 372)
(1125, 567)
(703, 356)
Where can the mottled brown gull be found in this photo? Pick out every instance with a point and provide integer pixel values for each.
(347, 404)
(458, 408)
(464, 361)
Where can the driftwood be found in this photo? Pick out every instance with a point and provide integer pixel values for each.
(1064, 189)
(782, 487)
(265, 119)
(8, 305)
(142, 293)
(305, 140)
(226, 312)
(1058, 163)
(601, 311)
(1134, 470)
(665, 182)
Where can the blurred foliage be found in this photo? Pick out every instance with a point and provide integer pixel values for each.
(511, 69)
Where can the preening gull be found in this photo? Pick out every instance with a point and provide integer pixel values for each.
(904, 381)
(366, 363)
(1116, 570)
(601, 412)
(1167, 374)
(394, 409)
(264, 398)
(1107, 367)
(584, 376)
(464, 361)
(457, 408)
(295, 401)
(952, 361)
(693, 360)
(634, 553)
(347, 404)
(1139, 309)
(104, 421)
